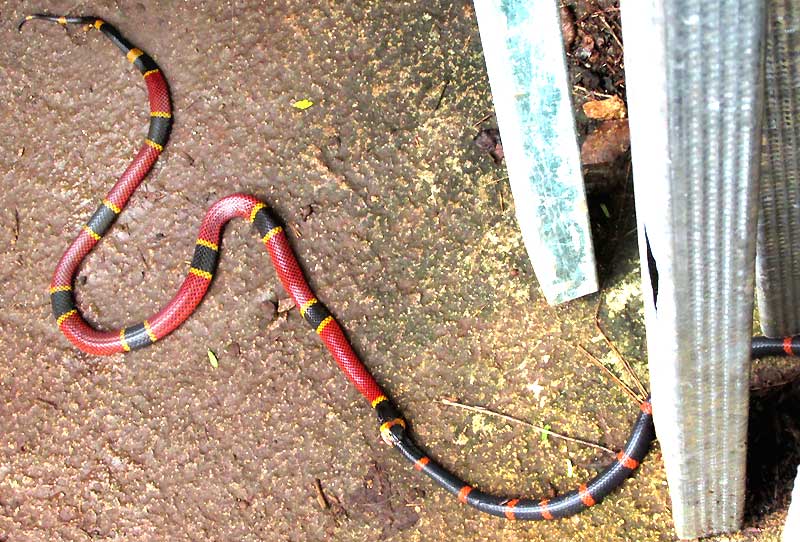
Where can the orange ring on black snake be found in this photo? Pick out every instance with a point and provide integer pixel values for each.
(393, 427)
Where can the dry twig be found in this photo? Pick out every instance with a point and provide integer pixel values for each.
(611, 375)
(323, 502)
(592, 92)
(619, 355)
(483, 118)
(610, 30)
(542, 430)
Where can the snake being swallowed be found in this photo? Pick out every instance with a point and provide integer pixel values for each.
(393, 427)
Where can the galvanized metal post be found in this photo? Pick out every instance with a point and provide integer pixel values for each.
(694, 93)
(527, 70)
(778, 252)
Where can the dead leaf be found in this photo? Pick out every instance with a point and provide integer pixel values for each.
(608, 142)
(611, 108)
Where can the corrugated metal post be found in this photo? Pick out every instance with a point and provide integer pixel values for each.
(778, 252)
(528, 74)
(694, 93)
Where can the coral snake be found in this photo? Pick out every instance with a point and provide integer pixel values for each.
(393, 427)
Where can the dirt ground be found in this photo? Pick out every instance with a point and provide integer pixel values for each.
(407, 233)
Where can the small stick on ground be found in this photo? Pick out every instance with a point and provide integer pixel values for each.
(47, 402)
(16, 227)
(788, 380)
(441, 95)
(611, 30)
(617, 353)
(295, 230)
(542, 430)
(771, 386)
(321, 499)
(144, 260)
(592, 92)
(483, 118)
(492, 183)
(478, 310)
(613, 377)
(187, 156)
(625, 363)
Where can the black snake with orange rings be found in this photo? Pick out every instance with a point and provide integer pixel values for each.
(393, 427)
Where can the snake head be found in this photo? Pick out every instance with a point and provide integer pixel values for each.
(393, 431)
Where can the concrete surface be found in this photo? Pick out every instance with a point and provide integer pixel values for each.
(410, 241)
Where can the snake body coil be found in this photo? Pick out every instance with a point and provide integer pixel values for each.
(393, 427)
